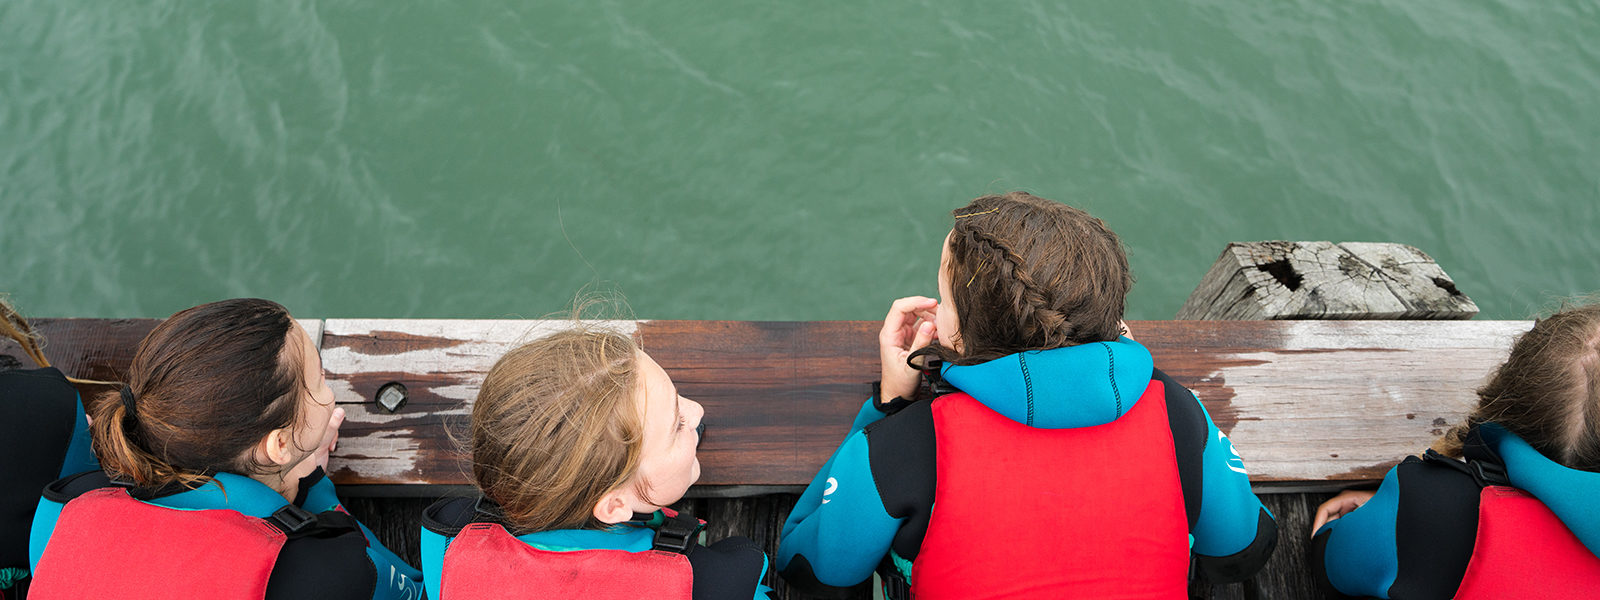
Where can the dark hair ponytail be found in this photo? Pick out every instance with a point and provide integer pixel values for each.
(205, 386)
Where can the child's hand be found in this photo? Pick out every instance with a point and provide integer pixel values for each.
(908, 327)
(1339, 506)
(330, 437)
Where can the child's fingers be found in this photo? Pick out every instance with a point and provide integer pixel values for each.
(1339, 506)
(924, 336)
(902, 314)
(1322, 518)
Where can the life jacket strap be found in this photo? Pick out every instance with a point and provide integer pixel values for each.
(894, 584)
(677, 534)
(296, 522)
(1485, 472)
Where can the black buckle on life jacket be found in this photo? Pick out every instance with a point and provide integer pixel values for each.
(1489, 473)
(676, 534)
(293, 519)
(894, 585)
(1484, 472)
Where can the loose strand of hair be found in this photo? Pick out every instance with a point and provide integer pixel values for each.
(13, 326)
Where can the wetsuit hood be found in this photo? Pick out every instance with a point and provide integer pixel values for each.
(1569, 493)
(1062, 388)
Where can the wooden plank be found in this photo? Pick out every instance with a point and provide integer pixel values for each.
(1330, 400)
(778, 396)
(1304, 401)
(99, 349)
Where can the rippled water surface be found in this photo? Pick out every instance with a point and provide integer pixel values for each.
(768, 160)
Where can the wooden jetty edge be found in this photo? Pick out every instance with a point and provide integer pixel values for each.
(1310, 404)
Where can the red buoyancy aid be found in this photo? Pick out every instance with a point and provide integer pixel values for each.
(1523, 550)
(108, 545)
(1092, 512)
(485, 561)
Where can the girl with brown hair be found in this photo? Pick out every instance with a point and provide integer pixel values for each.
(1505, 505)
(1044, 456)
(213, 482)
(44, 436)
(579, 442)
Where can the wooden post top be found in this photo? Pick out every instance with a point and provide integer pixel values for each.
(1314, 403)
(1323, 280)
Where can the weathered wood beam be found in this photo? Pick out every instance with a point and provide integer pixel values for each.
(1305, 402)
(1322, 280)
(1308, 403)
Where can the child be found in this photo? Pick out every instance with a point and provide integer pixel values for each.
(213, 483)
(579, 442)
(1061, 462)
(44, 436)
(1506, 505)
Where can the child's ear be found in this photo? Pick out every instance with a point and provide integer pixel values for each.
(613, 508)
(276, 447)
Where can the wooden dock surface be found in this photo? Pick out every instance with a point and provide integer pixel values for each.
(1306, 402)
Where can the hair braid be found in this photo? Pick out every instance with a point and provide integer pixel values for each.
(1039, 323)
(1026, 273)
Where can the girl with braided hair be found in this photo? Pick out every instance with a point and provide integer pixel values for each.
(1504, 505)
(1062, 463)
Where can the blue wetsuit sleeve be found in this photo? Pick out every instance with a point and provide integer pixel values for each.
(396, 579)
(839, 530)
(1233, 535)
(79, 456)
(1229, 511)
(1356, 553)
(868, 415)
(44, 524)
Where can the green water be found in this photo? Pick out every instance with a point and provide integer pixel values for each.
(768, 160)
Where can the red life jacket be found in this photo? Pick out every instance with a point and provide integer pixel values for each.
(485, 561)
(108, 545)
(1524, 551)
(1092, 512)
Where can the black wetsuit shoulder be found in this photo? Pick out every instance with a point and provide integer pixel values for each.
(38, 412)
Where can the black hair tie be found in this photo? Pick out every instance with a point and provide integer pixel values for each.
(127, 401)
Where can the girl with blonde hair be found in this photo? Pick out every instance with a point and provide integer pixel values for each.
(579, 443)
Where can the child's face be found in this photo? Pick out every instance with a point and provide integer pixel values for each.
(945, 321)
(316, 408)
(667, 464)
